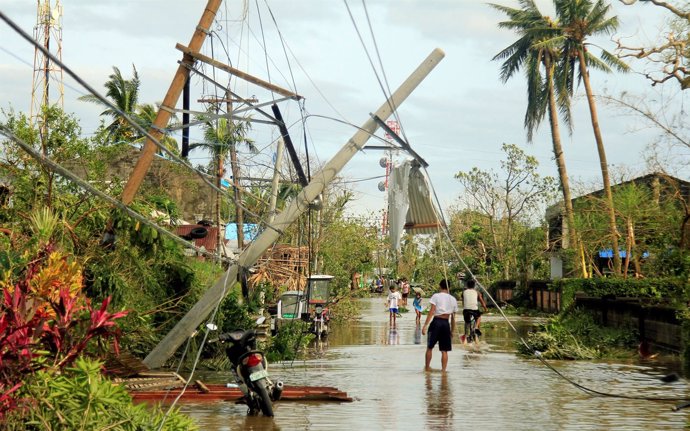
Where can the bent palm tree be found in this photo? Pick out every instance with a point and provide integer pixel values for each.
(579, 20)
(538, 47)
(124, 93)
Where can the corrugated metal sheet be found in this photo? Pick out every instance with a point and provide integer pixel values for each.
(421, 215)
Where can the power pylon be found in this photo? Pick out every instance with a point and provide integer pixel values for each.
(48, 33)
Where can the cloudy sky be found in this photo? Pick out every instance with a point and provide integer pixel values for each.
(456, 119)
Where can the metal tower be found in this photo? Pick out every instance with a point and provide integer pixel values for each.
(48, 33)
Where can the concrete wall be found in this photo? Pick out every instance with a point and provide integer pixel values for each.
(194, 198)
(658, 325)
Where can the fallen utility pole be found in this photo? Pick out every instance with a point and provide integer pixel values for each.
(169, 103)
(202, 309)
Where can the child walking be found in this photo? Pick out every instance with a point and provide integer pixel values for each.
(393, 298)
(417, 304)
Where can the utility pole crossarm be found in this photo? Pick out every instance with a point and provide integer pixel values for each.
(201, 310)
(238, 73)
(169, 103)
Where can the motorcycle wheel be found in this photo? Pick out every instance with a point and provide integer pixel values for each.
(264, 399)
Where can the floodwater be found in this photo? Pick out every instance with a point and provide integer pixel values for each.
(489, 388)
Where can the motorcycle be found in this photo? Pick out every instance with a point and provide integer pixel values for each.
(250, 370)
(320, 321)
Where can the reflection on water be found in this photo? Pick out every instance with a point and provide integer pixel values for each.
(488, 387)
(418, 334)
(393, 336)
(439, 402)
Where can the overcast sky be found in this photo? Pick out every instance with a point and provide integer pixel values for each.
(456, 119)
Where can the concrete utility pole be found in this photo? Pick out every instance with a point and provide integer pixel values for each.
(276, 179)
(194, 317)
(169, 103)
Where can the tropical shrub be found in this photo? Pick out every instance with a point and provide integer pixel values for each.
(292, 339)
(80, 398)
(575, 335)
(46, 322)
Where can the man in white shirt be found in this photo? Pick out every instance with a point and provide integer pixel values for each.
(443, 309)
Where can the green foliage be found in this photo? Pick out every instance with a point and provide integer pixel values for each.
(495, 228)
(234, 313)
(291, 340)
(346, 247)
(669, 290)
(82, 399)
(32, 185)
(575, 335)
(347, 308)
(651, 215)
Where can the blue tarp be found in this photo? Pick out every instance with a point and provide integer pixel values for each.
(250, 231)
(608, 253)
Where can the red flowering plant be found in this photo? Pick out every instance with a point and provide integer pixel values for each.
(46, 321)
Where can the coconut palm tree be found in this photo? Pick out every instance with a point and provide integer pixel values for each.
(124, 93)
(221, 138)
(145, 116)
(580, 20)
(537, 52)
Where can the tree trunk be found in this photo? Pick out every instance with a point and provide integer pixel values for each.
(562, 173)
(602, 162)
(219, 179)
(629, 241)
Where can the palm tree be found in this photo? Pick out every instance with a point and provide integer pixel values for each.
(221, 138)
(538, 49)
(581, 19)
(124, 93)
(145, 116)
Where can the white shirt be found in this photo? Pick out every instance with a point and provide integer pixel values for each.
(393, 299)
(444, 302)
(469, 299)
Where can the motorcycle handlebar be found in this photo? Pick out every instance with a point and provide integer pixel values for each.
(225, 337)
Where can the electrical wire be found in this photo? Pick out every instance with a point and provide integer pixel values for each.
(112, 106)
(535, 352)
(57, 168)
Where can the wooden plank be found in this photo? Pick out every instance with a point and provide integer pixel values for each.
(238, 73)
(215, 392)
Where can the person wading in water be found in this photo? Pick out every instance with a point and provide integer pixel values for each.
(443, 309)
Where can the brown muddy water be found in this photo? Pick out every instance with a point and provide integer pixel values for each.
(489, 388)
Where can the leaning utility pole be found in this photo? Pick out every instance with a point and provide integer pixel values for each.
(201, 310)
(169, 103)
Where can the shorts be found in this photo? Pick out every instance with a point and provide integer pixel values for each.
(467, 315)
(439, 332)
(393, 310)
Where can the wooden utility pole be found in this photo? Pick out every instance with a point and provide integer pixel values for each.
(235, 168)
(196, 316)
(169, 103)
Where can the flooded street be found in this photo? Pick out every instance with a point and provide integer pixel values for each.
(490, 389)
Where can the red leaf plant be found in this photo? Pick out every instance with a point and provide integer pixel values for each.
(46, 321)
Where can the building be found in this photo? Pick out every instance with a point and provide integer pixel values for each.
(660, 187)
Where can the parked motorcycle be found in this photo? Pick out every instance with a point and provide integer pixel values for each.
(250, 369)
(320, 321)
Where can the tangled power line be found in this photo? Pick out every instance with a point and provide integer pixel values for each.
(444, 227)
